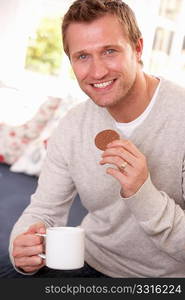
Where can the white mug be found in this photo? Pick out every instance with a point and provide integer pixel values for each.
(64, 249)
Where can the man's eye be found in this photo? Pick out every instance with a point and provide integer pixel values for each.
(82, 56)
(110, 51)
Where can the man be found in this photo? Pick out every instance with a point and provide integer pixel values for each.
(134, 190)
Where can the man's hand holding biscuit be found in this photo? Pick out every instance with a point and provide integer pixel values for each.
(131, 166)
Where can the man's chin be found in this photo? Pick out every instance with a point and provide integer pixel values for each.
(105, 104)
(102, 102)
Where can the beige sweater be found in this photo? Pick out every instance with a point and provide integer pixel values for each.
(141, 236)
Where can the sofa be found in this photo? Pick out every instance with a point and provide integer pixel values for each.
(15, 192)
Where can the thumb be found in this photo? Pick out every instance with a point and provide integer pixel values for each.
(37, 228)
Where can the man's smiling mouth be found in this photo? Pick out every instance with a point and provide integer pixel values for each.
(102, 84)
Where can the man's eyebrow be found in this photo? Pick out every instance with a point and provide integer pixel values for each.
(79, 52)
(110, 46)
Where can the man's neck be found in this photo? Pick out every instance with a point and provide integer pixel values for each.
(135, 103)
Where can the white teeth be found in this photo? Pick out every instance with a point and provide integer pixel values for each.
(103, 84)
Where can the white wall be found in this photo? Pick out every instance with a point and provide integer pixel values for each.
(15, 16)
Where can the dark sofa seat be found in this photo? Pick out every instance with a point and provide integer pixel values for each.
(15, 192)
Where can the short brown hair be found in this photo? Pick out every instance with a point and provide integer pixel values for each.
(89, 10)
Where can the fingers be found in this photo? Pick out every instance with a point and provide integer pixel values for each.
(25, 252)
(27, 240)
(28, 251)
(121, 151)
(131, 165)
(37, 228)
(129, 186)
(32, 261)
(26, 248)
(117, 174)
(32, 269)
(118, 162)
(117, 156)
(127, 145)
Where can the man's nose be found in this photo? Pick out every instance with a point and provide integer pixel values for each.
(98, 69)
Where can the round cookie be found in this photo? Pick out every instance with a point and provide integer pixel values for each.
(105, 137)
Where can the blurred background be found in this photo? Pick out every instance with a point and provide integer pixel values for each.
(33, 64)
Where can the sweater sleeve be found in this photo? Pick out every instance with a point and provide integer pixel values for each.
(161, 219)
(55, 192)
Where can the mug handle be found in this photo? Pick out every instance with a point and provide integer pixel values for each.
(42, 255)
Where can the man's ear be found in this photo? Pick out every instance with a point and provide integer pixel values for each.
(139, 49)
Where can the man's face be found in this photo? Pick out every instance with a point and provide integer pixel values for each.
(103, 60)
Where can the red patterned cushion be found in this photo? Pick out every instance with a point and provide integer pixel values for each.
(15, 139)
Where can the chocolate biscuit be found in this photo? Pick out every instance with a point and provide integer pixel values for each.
(105, 137)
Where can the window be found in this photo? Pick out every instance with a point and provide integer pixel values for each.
(44, 52)
(163, 40)
(170, 9)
